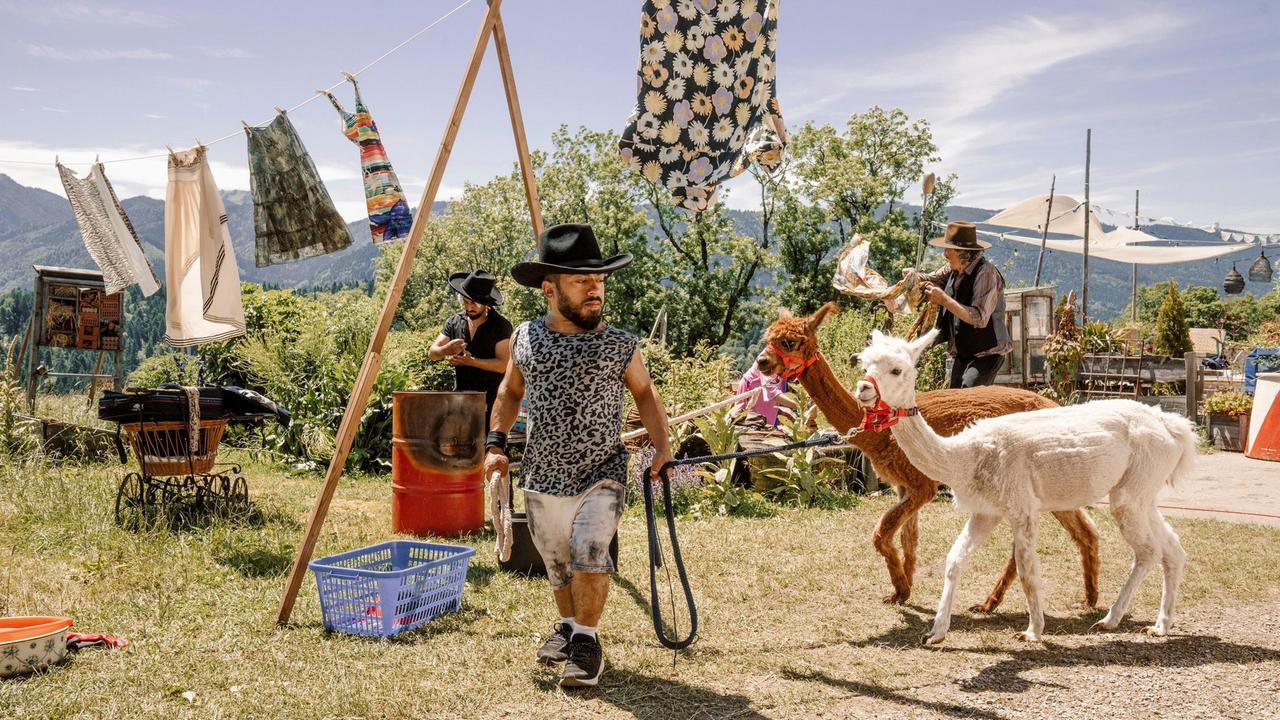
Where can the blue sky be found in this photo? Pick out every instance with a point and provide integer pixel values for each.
(1183, 98)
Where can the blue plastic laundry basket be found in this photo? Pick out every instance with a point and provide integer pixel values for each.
(390, 587)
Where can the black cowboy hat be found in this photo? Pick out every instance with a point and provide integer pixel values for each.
(477, 286)
(570, 248)
(960, 236)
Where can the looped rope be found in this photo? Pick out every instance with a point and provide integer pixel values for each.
(655, 550)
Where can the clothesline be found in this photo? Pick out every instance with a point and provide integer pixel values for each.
(237, 132)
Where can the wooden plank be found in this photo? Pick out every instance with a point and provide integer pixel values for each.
(517, 127)
(373, 358)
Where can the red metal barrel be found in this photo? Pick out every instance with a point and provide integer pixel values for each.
(437, 455)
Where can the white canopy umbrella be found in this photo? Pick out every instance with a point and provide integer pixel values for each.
(1066, 217)
(1132, 246)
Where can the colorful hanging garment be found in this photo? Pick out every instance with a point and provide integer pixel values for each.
(706, 102)
(203, 302)
(389, 216)
(108, 235)
(293, 216)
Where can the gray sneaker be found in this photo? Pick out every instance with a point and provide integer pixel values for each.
(585, 663)
(553, 649)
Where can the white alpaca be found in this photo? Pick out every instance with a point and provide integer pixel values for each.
(1018, 466)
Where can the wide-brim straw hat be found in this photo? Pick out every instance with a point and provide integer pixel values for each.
(960, 236)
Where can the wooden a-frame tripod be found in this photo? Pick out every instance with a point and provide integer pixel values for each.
(490, 26)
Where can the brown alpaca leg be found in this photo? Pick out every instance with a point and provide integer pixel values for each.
(909, 503)
(1002, 585)
(1082, 530)
(910, 540)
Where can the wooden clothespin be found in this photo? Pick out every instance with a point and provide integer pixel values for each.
(350, 78)
(245, 124)
(279, 110)
(170, 148)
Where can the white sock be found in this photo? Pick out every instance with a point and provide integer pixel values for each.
(568, 621)
(579, 629)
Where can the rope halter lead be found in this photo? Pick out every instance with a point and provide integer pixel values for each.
(880, 416)
(793, 365)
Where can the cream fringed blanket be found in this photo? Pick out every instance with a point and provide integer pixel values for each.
(203, 303)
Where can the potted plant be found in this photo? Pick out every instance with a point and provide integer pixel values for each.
(1229, 419)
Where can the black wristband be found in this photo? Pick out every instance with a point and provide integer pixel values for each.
(496, 440)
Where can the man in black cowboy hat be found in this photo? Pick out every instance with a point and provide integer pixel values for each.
(476, 341)
(969, 291)
(571, 368)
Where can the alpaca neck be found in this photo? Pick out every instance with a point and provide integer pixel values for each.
(941, 458)
(836, 404)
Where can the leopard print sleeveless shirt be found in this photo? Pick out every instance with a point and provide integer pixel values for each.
(573, 388)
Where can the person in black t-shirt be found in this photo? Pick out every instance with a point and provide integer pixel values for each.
(476, 341)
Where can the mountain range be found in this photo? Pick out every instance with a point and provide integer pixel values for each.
(37, 228)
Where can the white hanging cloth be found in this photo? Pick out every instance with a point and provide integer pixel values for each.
(200, 263)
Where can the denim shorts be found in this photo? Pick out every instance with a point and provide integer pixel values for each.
(573, 533)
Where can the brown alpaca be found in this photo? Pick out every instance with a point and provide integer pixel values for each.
(791, 347)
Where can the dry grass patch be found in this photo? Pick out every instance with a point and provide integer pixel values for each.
(792, 625)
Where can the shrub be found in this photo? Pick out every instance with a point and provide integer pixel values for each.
(844, 335)
(169, 367)
(704, 377)
(1172, 336)
(1233, 403)
(16, 436)
(806, 478)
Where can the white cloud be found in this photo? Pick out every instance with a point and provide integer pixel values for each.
(53, 109)
(154, 116)
(957, 78)
(228, 53)
(80, 55)
(22, 88)
(97, 14)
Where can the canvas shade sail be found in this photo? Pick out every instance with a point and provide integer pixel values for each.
(1127, 245)
(1067, 216)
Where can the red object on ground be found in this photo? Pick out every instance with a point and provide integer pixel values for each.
(1264, 422)
(437, 453)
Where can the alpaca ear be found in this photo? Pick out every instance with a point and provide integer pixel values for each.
(922, 343)
(784, 314)
(830, 308)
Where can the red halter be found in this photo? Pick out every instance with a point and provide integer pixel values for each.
(880, 416)
(793, 365)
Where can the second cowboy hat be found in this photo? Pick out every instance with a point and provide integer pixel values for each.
(477, 286)
(960, 236)
(571, 249)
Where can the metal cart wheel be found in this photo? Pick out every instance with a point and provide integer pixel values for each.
(131, 499)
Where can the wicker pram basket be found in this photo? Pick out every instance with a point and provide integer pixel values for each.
(164, 448)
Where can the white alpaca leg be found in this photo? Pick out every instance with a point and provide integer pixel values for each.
(1025, 530)
(1172, 560)
(1135, 526)
(975, 532)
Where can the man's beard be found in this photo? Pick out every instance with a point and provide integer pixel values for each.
(474, 314)
(585, 319)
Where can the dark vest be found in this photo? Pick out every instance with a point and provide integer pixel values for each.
(969, 340)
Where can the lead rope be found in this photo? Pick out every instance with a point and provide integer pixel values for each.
(655, 548)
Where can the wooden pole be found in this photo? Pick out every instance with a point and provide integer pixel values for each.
(517, 127)
(1084, 288)
(373, 357)
(1044, 236)
(641, 432)
(1133, 268)
(93, 381)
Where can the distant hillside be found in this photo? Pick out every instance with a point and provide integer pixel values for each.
(37, 227)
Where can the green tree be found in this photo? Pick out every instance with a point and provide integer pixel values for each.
(1172, 337)
(859, 178)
